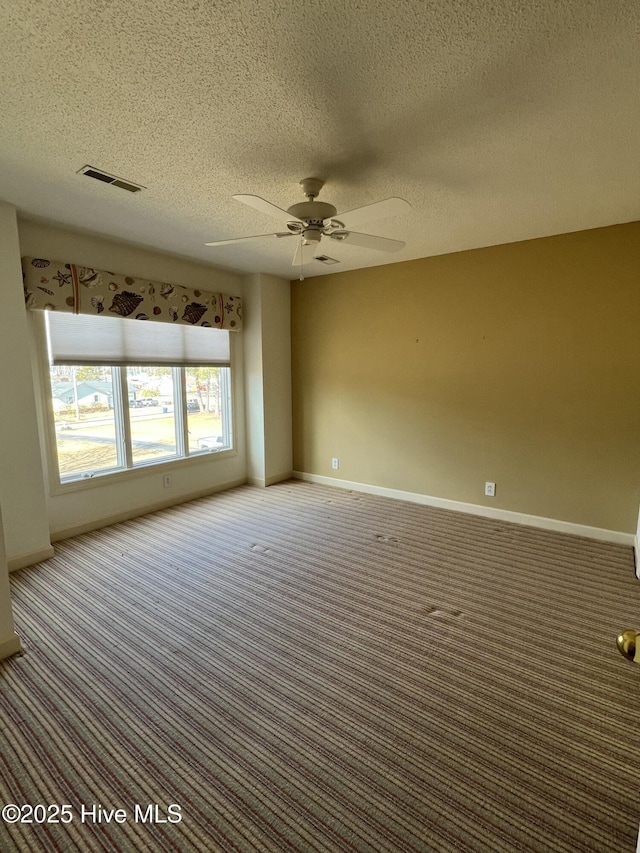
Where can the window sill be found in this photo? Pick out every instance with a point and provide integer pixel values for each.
(121, 475)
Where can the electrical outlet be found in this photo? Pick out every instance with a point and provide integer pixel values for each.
(335, 463)
(166, 481)
(490, 490)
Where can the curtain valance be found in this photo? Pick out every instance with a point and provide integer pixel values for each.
(59, 286)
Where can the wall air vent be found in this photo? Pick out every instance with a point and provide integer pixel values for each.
(326, 259)
(99, 175)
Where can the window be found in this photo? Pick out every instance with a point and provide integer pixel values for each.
(120, 415)
(86, 432)
(208, 407)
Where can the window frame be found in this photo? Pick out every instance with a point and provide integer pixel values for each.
(59, 484)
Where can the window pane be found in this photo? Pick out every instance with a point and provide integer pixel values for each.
(151, 413)
(85, 428)
(208, 408)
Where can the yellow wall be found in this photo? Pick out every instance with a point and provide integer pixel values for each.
(518, 364)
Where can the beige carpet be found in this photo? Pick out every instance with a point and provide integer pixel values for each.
(309, 669)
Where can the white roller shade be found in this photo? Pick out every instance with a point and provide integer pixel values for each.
(83, 339)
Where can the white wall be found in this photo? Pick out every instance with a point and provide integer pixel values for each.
(26, 532)
(267, 351)
(276, 372)
(636, 546)
(9, 640)
(99, 502)
(36, 510)
(254, 395)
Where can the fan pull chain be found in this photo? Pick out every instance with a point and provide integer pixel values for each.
(301, 258)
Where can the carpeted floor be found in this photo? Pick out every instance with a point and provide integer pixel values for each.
(309, 669)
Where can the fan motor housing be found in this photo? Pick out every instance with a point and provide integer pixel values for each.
(309, 211)
(311, 235)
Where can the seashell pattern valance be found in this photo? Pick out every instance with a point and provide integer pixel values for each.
(59, 286)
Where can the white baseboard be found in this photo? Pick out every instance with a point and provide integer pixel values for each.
(10, 646)
(30, 559)
(127, 515)
(615, 536)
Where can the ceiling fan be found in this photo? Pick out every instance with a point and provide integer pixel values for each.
(312, 220)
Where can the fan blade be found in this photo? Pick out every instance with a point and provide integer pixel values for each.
(377, 210)
(252, 237)
(266, 207)
(368, 241)
(303, 254)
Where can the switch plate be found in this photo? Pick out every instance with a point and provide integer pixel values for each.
(490, 490)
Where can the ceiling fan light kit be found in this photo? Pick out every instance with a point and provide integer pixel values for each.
(312, 220)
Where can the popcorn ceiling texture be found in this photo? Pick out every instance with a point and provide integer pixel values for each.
(498, 121)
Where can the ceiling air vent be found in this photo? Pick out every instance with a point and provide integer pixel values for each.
(326, 259)
(99, 175)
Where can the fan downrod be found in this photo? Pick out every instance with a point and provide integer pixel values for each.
(311, 187)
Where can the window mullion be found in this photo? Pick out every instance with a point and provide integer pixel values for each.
(123, 426)
(180, 408)
(225, 407)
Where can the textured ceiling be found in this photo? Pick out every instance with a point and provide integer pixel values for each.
(497, 120)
